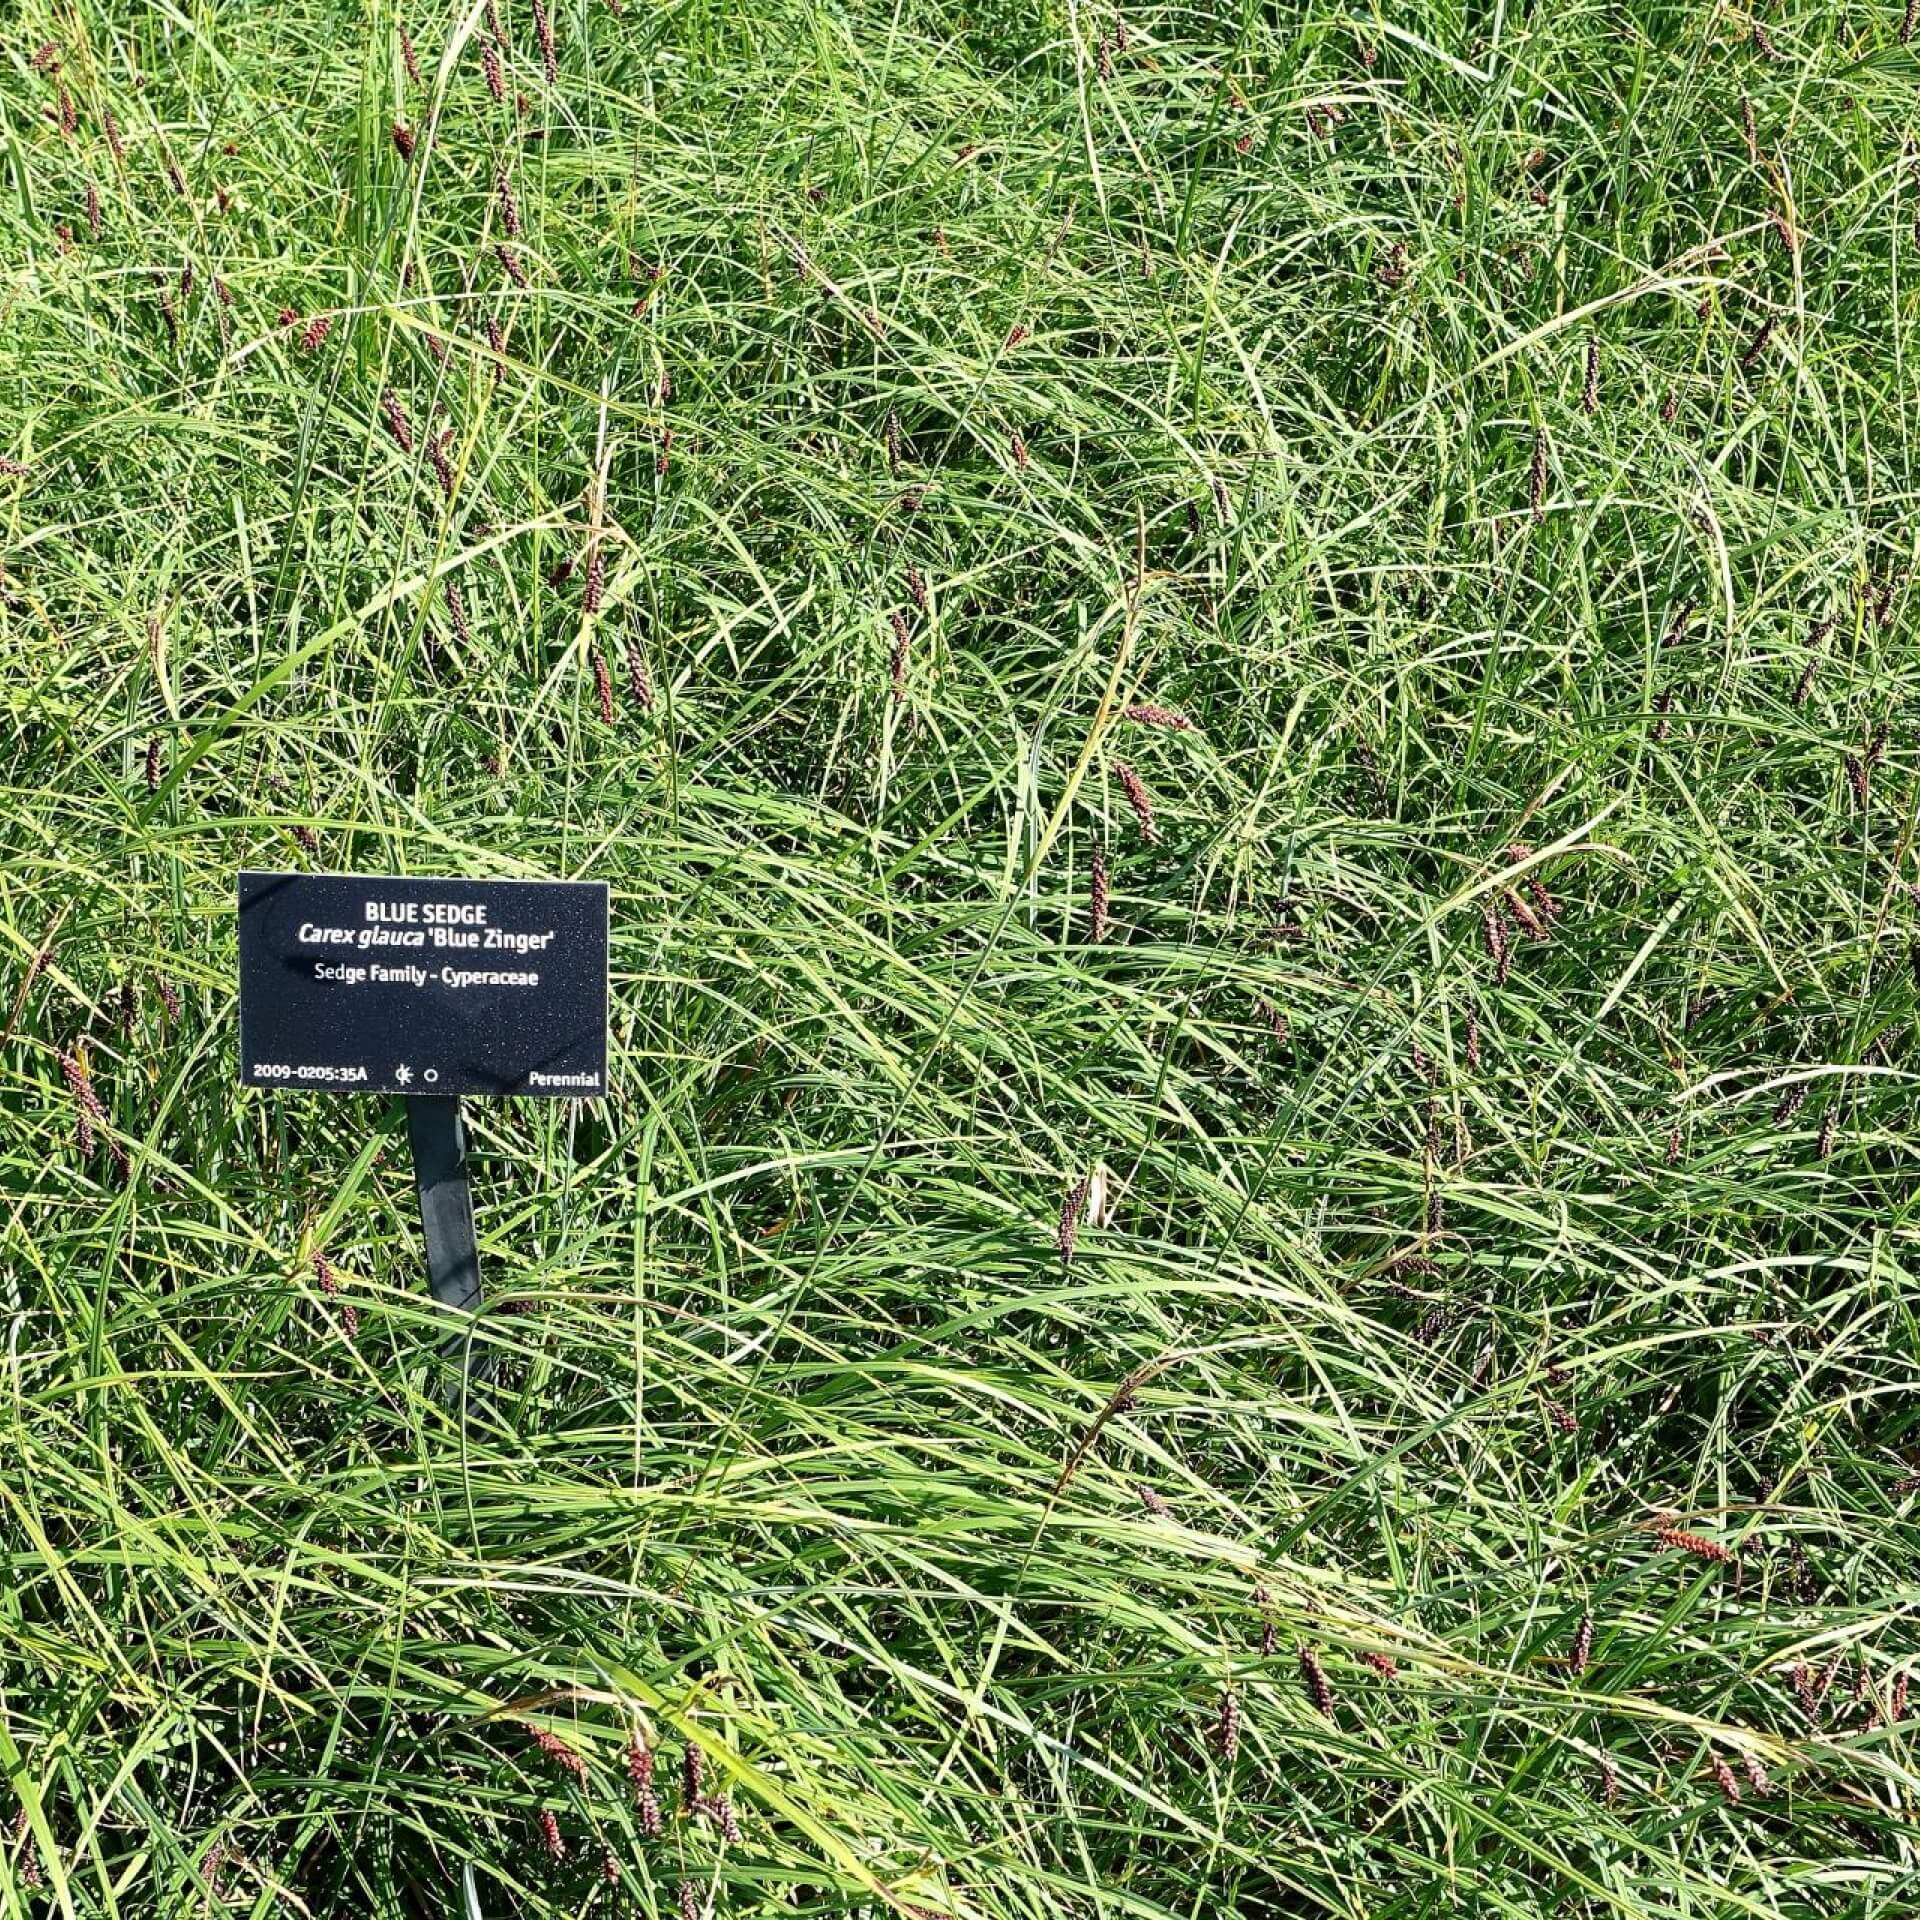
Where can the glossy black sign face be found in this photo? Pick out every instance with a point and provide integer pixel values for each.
(357, 983)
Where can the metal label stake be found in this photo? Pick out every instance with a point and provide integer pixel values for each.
(438, 1138)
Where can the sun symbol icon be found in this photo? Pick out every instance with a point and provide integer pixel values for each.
(404, 1075)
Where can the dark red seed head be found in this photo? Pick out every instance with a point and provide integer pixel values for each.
(639, 681)
(396, 418)
(603, 687)
(549, 55)
(897, 658)
(404, 140)
(1226, 1727)
(563, 1756)
(409, 58)
(1315, 1677)
(1582, 1650)
(1678, 1539)
(1138, 799)
(1066, 1235)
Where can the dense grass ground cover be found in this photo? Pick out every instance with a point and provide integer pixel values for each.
(1305, 1313)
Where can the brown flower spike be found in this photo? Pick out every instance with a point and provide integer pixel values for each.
(1315, 1677)
(1138, 799)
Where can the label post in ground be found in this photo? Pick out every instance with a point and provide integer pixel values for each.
(366, 983)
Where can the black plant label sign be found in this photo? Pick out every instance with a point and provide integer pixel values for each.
(367, 983)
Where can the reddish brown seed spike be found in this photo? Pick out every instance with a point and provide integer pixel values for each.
(1315, 1677)
(645, 1799)
(897, 658)
(595, 589)
(603, 687)
(95, 219)
(1493, 926)
(1724, 1780)
(87, 1110)
(316, 333)
(1909, 21)
(1098, 897)
(639, 681)
(563, 1756)
(1582, 1650)
(408, 58)
(1679, 1540)
(550, 1835)
(1153, 1502)
(510, 265)
(1146, 713)
(1383, 1664)
(1750, 359)
(509, 205)
(396, 418)
(404, 140)
(916, 583)
(1537, 478)
(1609, 1783)
(549, 56)
(719, 1809)
(1017, 445)
(1138, 799)
(153, 770)
(1859, 781)
(1590, 388)
(437, 445)
(490, 66)
(1066, 1235)
(1226, 1727)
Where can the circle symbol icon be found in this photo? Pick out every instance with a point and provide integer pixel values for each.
(431, 1075)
